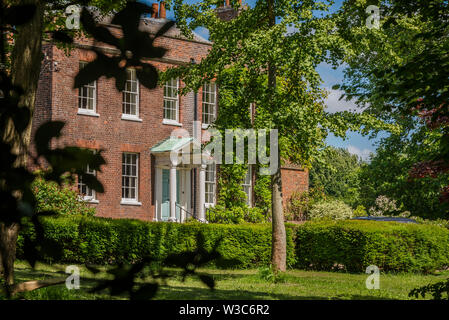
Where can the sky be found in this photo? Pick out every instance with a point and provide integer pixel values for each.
(355, 143)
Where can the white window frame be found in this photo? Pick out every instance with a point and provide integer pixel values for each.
(210, 182)
(205, 103)
(135, 200)
(86, 111)
(93, 197)
(168, 121)
(248, 186)
(128, 116)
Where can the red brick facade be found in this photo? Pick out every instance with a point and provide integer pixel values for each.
(294, 179)
(107, 131)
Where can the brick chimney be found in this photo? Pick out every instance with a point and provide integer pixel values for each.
(162, 13)
(226, 12)
(154, 14)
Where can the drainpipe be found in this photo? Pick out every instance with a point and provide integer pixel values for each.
(195, 118)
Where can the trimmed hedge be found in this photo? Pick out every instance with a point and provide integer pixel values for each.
(354, 245)
(107, 241)
(322, 245)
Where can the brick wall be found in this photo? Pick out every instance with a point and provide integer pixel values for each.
(293, 179)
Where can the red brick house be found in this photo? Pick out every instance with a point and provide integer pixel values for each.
(133, 128)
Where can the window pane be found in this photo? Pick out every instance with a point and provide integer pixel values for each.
(171, 100)
(208, 106)
(86, 94)
(130, 93)
(129, 176)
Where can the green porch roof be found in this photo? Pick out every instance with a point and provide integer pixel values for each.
(170, 144)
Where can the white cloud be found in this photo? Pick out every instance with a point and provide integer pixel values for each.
(335, 105)
(364, 154)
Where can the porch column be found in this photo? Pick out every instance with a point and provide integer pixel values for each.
(158, 186)
(172, 193)
(202, 191)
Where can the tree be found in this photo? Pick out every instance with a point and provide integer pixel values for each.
(277, 72)
(388, 172)
(337, 172)
(400, 70)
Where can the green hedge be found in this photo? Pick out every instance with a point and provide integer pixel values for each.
(355, 245)
(321, 245)
(107, 241)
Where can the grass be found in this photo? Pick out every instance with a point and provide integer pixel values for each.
(239, 284)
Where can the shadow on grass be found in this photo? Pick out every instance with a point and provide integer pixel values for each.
(166, 292)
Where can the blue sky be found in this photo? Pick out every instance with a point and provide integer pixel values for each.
(355, 143)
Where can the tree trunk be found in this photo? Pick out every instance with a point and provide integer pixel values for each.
(25, 69)
(279, 243)
(8, 244)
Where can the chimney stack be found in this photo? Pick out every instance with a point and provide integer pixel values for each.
(162, 13)
(154, 14)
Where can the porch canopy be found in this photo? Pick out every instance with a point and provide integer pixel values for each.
(176, 157)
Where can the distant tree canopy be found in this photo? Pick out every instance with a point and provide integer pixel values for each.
(400, 71)
(388, 172)
(337, 173)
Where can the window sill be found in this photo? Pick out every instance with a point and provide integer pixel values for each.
(205, 126)
(131, 118)
(89, 200)
(171, 122)
(87, 113)
(126, 202)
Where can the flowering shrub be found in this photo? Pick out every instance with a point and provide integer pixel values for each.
(386, 207)
(334, 209)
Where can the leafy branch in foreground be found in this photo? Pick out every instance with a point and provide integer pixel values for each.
(436, 290)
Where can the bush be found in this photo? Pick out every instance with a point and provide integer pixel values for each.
(360, 211)
(385, 206)
(301, 201)
(106, 241)
(320, 245)
(354, 245)
(333, 209)
(235, 215)
(62, 200)
(434, 222)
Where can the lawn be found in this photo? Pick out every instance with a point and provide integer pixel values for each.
(241, 284)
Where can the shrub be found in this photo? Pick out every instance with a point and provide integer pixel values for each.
(333, 209)
(300, 203)
(385, 206)
(360, 211)
(269, 275)
(106, 241)
(62, 200)
(354, 245)
(235, 215)
(434, 222)
(322, 245)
